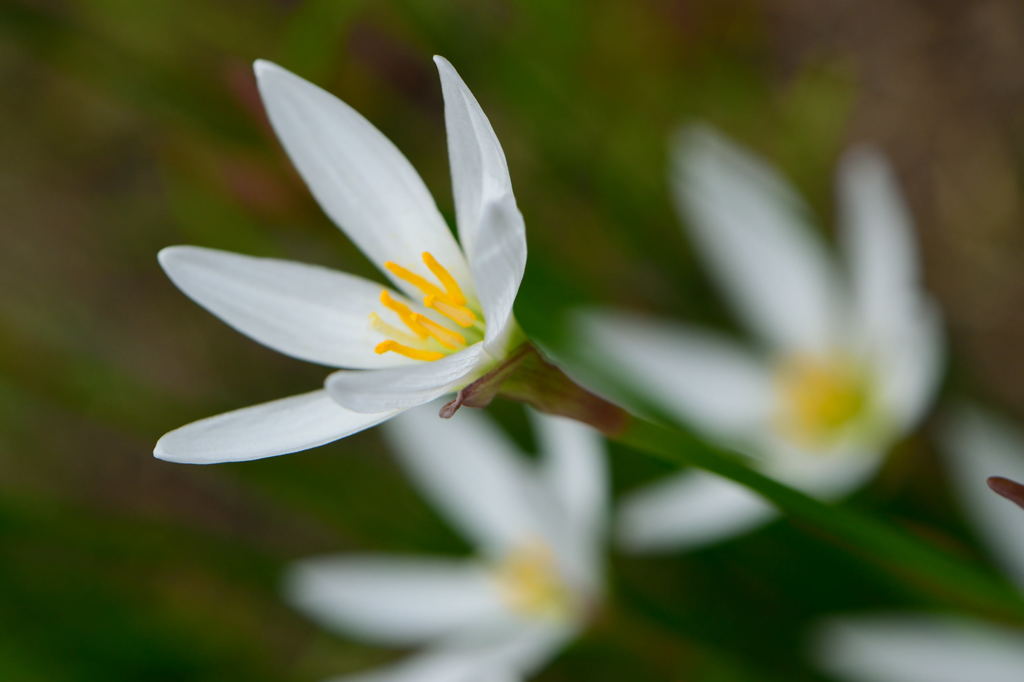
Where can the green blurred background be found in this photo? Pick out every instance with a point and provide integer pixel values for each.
(127, 126)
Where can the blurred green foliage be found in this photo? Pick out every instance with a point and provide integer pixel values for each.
(129, 126)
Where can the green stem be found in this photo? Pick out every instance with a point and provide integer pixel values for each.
(528, 377)
(923, 566)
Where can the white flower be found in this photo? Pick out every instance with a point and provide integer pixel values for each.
(448, 318)
(905, 648)
(537, 527)
(848, 356)
(979, 446)
(923, 648)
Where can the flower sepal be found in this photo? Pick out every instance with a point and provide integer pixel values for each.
(526, 376)
(1011, 490)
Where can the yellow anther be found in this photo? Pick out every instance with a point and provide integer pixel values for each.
(448, 301)
(820, 396)
(446, 337)
(459, 314)
(414, 353)
(412, 278)
(379, 325)
(404, 313)
(530, 582)
(455, 295)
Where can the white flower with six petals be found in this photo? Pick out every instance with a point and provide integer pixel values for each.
(448, 318)
(848, 360)
(538, 528)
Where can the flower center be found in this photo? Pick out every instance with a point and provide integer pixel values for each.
(530, 583)
(819, 397)
(426, 337)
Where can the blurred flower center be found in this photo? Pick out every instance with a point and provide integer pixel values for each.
(424, 337)
(529, 581)
(820, 396)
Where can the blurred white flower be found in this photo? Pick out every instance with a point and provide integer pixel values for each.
(538, 528)
(848, 356)
(979, 446)
(448, 319)
(922, 648)
(905, 648)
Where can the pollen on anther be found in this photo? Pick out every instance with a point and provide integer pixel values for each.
(459, 314)
(413, 353)
(434, 338)
(446, 337)
(412, 278)
(405, 313)
(449, 283)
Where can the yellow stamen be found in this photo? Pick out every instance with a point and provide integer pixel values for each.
(404, 313)
(446, 337)
(529, 581)
(412, 278)
(459, 314)
(432, 339)
(455, 295)
(820, 396)
(385, 329)
(414, 353)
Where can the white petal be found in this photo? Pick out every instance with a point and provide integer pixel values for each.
(513, 647)
(358, 176)
(498, 259)
(395, 600)
(305, 311)
(472, 473)
(503, 654)
(688, 510)
(279, 427)
(829, 473)
(979, 446)
(878, 242)
(575, 472)
(462, 666)
(901, 327)
(699, 377)
(399, 388)
(491, 228)
(908, 366)
(921, 649)
(754, 231)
